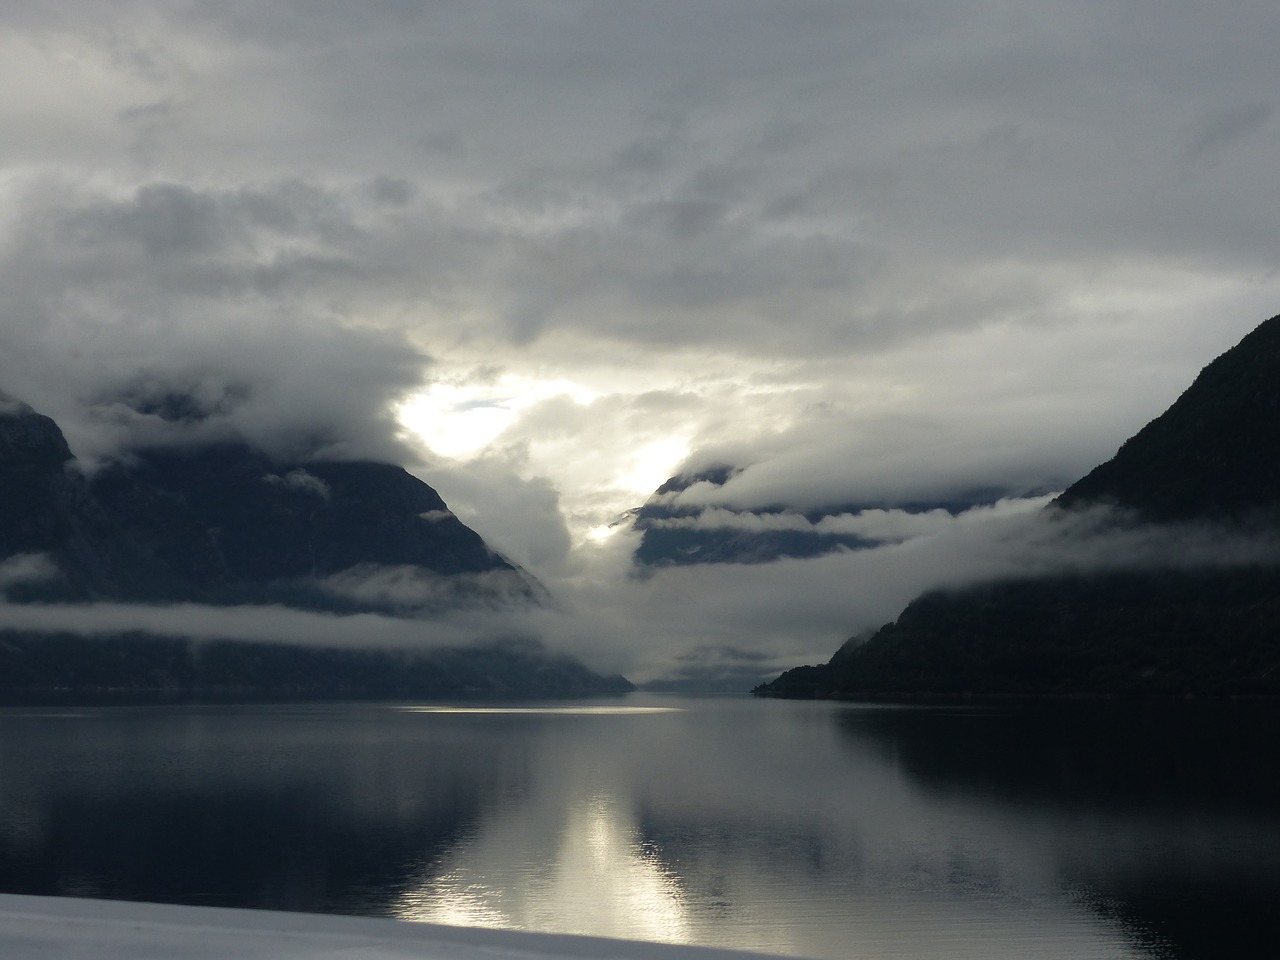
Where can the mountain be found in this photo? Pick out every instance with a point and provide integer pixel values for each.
(1213, 455)
(222, 523)
(226, 524)
(673, 533)
(1212, 458)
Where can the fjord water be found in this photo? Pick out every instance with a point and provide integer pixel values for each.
(1069, 830)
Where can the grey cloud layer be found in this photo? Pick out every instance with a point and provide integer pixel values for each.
(740, 176)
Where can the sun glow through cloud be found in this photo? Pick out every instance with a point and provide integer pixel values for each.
(604, 441)
(460, 421)
(650, 465)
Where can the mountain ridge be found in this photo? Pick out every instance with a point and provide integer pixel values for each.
(1213, 454)
(677, 534)
(219, 522)
(222, 525)
(1212, 458)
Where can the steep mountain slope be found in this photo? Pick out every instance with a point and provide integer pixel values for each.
(1214, 454)
(222, 523)
(231, 523)
(47, 512)
(1212, 457)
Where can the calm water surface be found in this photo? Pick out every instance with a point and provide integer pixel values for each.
(816, 829)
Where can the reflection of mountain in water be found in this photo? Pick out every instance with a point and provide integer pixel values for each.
(230, 810)
(1170, 813)
(271, 857)
(802, 828)
(1113, 756)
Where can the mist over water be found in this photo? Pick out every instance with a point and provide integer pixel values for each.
(817, 829)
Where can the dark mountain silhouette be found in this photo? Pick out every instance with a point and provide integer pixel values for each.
(218, 523)
(1213, 455)
(227, 524)
(230, 522)
(1214, 458)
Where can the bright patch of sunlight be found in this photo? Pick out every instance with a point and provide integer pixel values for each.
(602, 533)
(459, 421)
(565, 711)
(649, 467)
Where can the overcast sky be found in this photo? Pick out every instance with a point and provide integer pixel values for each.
(546, 252)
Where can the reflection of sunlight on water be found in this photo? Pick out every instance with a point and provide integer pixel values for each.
(468, 904)
(620, 890)
(598, 881)
(590, 711)
(757, 838)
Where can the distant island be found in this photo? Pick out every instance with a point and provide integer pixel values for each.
(227, 525)
(1211, 462)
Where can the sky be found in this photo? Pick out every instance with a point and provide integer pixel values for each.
(548, 254)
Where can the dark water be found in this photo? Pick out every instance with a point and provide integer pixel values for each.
(819, 829)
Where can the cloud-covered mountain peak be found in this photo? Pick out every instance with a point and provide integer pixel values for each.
(27, 438)
(696, 518)
(226, 522)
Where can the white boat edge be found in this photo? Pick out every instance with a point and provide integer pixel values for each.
(66, 928)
